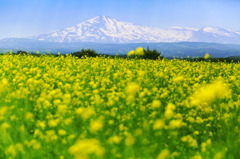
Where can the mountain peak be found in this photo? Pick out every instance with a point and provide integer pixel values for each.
(104, 17)
(99, 19)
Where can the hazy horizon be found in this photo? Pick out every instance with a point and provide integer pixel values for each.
(28, 18)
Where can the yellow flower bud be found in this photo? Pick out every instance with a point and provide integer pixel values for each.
(156, 104)
(28, 115)
(62, 132)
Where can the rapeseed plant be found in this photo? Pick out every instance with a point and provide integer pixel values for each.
(64, 107)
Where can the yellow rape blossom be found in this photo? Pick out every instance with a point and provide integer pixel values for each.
(206, 56)
(19, 147)
(52, 123)
(11, 150)
(41, 124)
(139, 51)
(22, 128)
(28, 115)
(168, 114)
(95, 125)
(138, 132)
(132, 88)
(3, 86)
(5, 126)
(158, 124)
(82, 148)
(205, 95)
(132, 52)
(130, 140)
(62, 132)
(156, 104)
(198, 156)
(219, 155)
(175, 124)
(72, 136)
(3, 110)
(36, 146)
(85, 113)
(178, 79)
(114, 139)
(163, 154)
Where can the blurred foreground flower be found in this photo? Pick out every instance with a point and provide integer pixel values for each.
(3, 85)
(95, 125)
(163, 154)
(83, 148)
(132, 88)
(85, 113)
(206, 56)
(205, 95)
(132, 52)
(139, 51)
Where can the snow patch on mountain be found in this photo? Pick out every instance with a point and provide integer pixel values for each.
(216, 30)
(184, 28)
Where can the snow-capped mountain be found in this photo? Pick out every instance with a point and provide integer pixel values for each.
(109, 30)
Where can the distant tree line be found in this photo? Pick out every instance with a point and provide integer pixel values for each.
(148, 54)
(234, 59)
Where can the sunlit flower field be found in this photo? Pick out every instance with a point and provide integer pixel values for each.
(93, 108)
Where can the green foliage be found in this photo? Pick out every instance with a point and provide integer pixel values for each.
(152, 54)
(84, 52)
(21, 52)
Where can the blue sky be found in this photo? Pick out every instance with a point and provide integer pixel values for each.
(23, 18)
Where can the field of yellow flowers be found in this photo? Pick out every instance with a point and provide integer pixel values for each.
(66, 107)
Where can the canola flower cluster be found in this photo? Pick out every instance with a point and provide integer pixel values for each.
(65, 107)
(139, 51)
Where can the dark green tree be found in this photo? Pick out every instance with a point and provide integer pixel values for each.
(21, 52)
(151, 54)
(84, 52)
